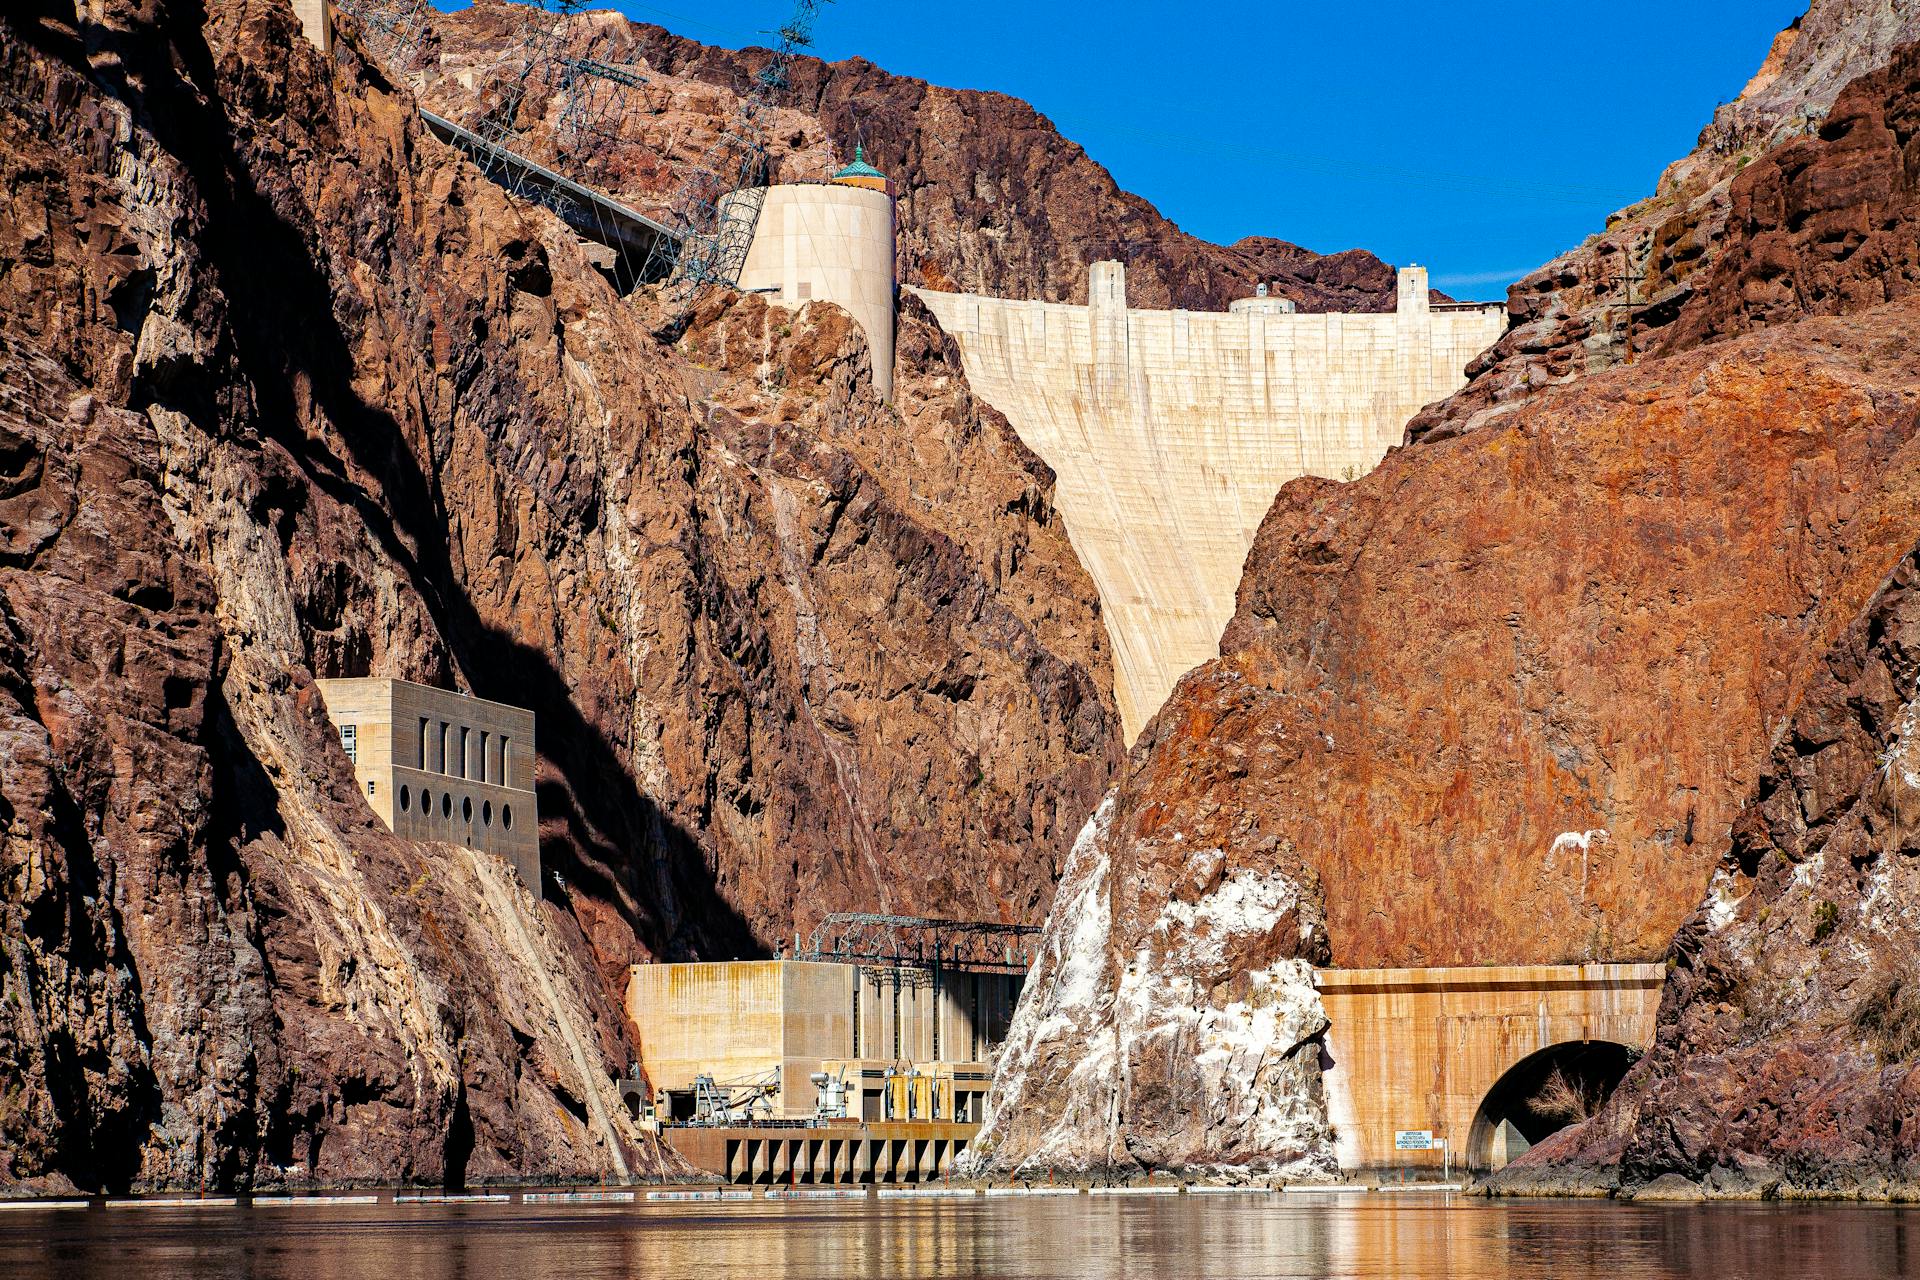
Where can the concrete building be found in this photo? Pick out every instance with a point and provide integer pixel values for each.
(832, 241)
(911, 1042)
(437, 765)
(1172, 431)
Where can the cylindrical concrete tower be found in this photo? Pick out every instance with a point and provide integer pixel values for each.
(831, 241)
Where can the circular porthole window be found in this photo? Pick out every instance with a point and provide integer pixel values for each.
(486, 814)
(466, 808)
(406, 799)
(446, 804)
(426, 803)
(506, 816)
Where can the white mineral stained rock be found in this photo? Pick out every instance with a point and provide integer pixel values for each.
(1156, 1045)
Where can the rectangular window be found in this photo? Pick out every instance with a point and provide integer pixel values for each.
(485, 774)
(350, 740)
(446, 736)
(370, 785)
(423, 743)
(506, 774)
(463, 751)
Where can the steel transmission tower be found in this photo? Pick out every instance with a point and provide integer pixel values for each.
(542, 60)
(592, 102)
(391, 30)
(716, 207)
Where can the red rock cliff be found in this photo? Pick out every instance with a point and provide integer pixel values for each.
(287, 391)
(1503, 699)
(1784, 1058)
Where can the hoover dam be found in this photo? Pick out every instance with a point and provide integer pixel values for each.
(1171, 432)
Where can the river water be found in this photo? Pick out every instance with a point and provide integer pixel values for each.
(1202, 1237)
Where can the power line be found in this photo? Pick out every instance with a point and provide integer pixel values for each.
(733, 33)
(1346, 167)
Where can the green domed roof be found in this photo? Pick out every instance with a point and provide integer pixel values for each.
(859, 168)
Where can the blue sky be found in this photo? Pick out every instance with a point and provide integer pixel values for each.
(1478, 137)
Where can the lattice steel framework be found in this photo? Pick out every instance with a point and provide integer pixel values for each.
(716, 207)
(591, 93)
(592, 102)
(541, 62)
(712, 214)
(392, 30)
(920, 942)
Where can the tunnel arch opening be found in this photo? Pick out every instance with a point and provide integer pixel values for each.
(1542, 1094)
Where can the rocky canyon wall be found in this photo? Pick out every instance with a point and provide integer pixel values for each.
(289, 392)
(1783, 1064)
(1504, 699)
(992, 199)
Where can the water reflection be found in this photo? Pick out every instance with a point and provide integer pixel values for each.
(1100, 1238)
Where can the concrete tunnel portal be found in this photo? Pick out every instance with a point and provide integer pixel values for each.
(1468, 1057)
(1541, 1094)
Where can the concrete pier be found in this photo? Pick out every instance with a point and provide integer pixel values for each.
(845, 1155)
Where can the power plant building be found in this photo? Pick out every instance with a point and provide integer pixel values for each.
(905, 1042)
(438, 765)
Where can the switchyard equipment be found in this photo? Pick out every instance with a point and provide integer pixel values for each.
(735, 1102)
(859, 937)
(830, 1095)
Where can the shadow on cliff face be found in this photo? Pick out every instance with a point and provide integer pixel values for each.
(100, 1142)
(280, 332)
(459, 1145)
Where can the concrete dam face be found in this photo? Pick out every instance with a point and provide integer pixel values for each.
(1171, 432)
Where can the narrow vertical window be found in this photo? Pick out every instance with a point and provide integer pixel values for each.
(486, 774)
(506, 769)
(423, 744)
(350, 741)
(463, 751)
(445, 736)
